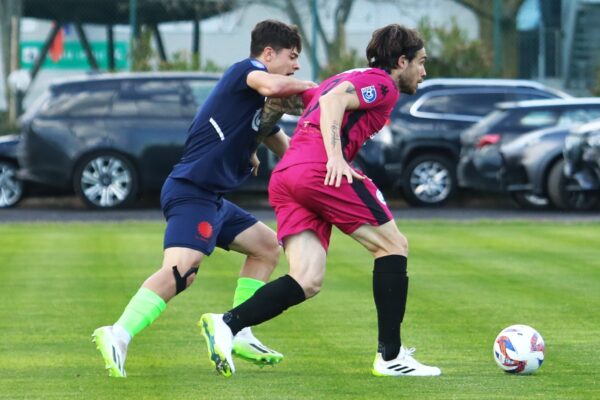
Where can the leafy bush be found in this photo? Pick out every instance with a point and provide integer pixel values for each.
(348, 60)
(142, 51)
(450, 53)
(145, 58)
(183, 60)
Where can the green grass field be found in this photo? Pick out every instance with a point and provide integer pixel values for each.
(468, 281)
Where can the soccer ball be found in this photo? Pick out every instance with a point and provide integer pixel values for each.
(519, 349)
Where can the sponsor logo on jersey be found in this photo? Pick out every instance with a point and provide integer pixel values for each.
(380, 196)
(384, 90)
(369, 94)
(258, 64)
(256, 119)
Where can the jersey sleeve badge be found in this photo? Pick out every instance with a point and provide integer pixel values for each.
(369, 94)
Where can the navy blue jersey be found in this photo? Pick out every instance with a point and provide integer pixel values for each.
(222, 136)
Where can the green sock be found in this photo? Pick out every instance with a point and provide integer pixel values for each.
(246, 287)
(143, 308)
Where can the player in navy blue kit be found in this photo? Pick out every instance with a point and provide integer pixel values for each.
(219, 155)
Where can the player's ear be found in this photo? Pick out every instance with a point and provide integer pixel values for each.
(402, 62)
(268, 53)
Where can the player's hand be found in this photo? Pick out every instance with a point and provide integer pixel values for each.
(254, 162)
(338, 168)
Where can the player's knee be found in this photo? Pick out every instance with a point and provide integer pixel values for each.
(402, 244)
(270, 252)
(184, 279)
(394, 244)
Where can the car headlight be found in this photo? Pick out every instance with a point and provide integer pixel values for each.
(384, 136)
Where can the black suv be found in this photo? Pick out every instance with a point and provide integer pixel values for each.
(426, 127)
(110, 137)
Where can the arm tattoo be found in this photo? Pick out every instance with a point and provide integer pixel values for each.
(272, 111)
(335, 134)
(292, 105)
(350, 89)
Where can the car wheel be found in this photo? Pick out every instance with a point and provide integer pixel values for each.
(11, 189)
(429, 180)
(106, 180)
(565, 193)
(530, 201)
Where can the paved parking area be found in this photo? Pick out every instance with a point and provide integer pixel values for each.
(70, 209)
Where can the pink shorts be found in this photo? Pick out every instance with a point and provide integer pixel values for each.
(303, 202)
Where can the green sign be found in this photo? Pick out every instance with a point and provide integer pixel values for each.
(73, 55)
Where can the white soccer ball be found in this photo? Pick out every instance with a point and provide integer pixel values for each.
(519, 349)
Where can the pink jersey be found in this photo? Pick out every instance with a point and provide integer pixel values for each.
(377, 94)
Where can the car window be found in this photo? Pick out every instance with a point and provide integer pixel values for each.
(200, 90)
(519, 96)
(195, 94)
(492, 121)
(472, 104)
(579, 116)
(92, 100)
(156, 99)
(536, 119)
(524, 120)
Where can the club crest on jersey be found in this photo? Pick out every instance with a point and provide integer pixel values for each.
(369, 94)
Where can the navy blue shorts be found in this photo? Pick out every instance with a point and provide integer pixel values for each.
(199, 219)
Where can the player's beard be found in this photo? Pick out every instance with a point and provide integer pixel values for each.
(406, 85)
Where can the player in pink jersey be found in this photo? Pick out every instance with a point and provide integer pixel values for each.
(313, 188)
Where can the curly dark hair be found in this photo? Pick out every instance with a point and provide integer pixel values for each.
(389, 43)
(275, 34)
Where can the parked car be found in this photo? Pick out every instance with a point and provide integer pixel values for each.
(581, 162)
(481, 160)
(11, 188)
(533, 172)
(109, 138)
(422, 157)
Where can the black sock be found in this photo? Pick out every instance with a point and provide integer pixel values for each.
(390, 288)
(268, 302)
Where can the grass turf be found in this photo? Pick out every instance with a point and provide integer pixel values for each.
(468, 281)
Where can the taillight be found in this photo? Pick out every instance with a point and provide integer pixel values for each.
(486, 140)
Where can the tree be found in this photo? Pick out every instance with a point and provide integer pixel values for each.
(484, 10)
(336, 52)
(338, 57)
(10, 11)
(450, 53)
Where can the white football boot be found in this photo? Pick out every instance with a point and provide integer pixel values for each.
(403, 365)
(247, 347)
